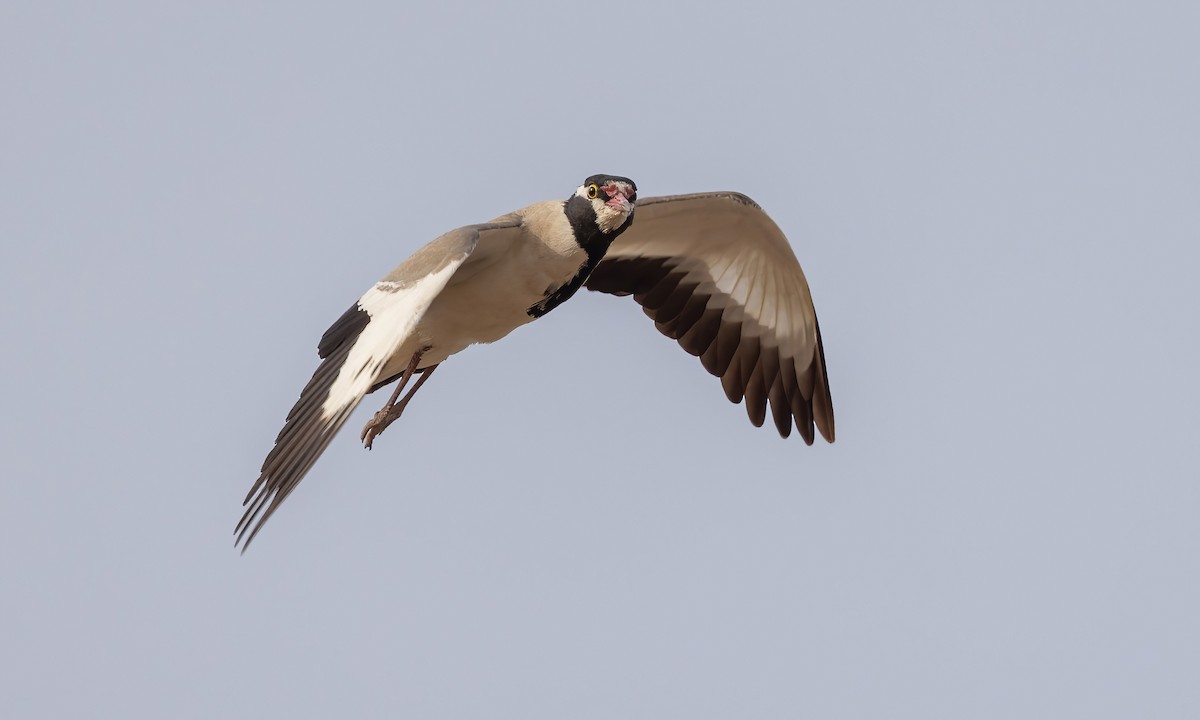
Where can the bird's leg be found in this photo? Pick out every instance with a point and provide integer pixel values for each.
(392, 409)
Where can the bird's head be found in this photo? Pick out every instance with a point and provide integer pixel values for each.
(611, 198)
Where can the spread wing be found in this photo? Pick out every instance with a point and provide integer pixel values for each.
(354, 352)
(716, 274)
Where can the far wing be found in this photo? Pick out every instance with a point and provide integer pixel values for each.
(716, 274)
(355, 350)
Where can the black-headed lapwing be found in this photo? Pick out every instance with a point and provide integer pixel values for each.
(712, 270)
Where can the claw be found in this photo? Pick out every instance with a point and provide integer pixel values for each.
(393, 410)
(378, 423)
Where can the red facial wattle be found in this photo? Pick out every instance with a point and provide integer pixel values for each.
(618, 196)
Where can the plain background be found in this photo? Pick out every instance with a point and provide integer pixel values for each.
(996, 205)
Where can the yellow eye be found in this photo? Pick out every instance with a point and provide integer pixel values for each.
(593, 191)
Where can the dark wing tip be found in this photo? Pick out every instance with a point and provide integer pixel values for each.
(729, 344)
(304, 436)
(822, 398)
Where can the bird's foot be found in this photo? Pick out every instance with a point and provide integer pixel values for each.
(378, 423)
(394, 409)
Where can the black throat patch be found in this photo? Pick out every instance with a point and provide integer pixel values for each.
(595, 243)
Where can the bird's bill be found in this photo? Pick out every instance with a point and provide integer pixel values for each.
(618, 195)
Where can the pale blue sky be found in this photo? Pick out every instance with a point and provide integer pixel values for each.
(997, 206)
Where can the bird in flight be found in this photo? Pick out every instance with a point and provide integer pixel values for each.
(712, 270)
